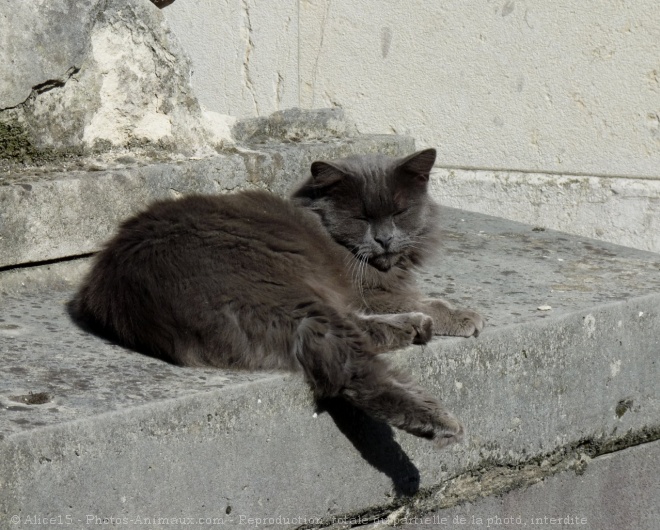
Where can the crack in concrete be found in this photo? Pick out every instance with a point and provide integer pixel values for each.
(46, 86)
(279, 90)
(489, 478)
(36, 264)
(50, 84)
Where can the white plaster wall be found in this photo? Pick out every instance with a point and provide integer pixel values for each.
(244, 53)
(569, 86)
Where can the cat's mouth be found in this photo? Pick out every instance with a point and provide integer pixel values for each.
(385, 261)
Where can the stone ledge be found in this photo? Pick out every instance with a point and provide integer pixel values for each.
(117, 434)
(58, 215)
(609, 492)
(621, 210)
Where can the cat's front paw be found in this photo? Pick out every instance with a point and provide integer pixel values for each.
(447, 432)
(467, 323)
(423, 328)
(453, 322)
(415, 328)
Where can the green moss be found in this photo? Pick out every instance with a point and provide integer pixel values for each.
(14, 142)
(38, 398)
(16, 148)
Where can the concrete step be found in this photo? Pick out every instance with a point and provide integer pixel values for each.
(613, 491)
(90, 431)
(50, 213)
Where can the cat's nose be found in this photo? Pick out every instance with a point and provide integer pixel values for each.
(384, 240)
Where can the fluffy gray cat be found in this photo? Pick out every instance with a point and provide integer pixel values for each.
(320, 283)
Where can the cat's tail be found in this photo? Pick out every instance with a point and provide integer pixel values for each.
(337, 361)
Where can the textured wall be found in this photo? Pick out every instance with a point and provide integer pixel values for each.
(245, 53)
(568, 86)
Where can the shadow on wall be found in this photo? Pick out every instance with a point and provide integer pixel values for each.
(386, 456)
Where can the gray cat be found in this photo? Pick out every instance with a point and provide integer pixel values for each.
(319, 284)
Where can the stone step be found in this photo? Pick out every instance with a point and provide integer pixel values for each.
(609, 492)
(90, 430)
(50, 214)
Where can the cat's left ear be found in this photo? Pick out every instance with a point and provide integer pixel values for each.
(417, 167)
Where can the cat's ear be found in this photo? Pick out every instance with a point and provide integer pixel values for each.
(325, 174)
(324, 177)
(417, 167)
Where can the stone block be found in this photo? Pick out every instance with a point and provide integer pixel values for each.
(53, 214)
(96, 74)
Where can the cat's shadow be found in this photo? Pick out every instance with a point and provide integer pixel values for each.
(376, 444)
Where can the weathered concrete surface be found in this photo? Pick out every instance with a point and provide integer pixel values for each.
(616, 491)
(624, 211)
(115, 434)
(48, 215)
(245, 54)
(41, 43)
(295, 125)
(100, 74)
(569, 86)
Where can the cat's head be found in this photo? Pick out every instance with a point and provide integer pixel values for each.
(376, 206)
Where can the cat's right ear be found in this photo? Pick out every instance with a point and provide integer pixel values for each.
(324, 177)
(325, 174)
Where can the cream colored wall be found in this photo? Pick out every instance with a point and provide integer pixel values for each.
(244, 52)
(564, 86)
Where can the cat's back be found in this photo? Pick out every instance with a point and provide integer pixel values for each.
(183, 267)
(221, 242)
(241, 221)
(208, 215)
